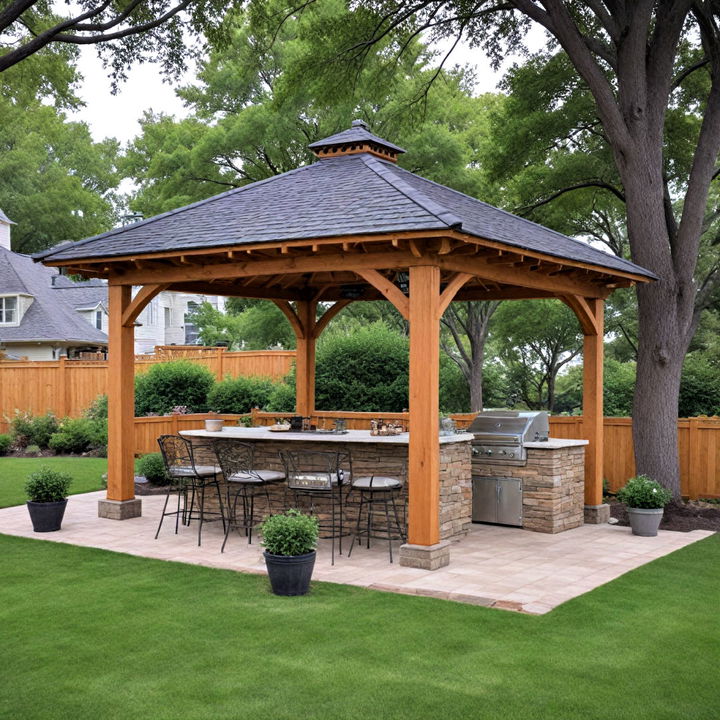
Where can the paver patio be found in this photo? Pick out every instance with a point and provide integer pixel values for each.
(496, 566)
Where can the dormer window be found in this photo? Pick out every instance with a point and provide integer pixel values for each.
(9, 310)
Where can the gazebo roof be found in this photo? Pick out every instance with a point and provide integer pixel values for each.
(357, 194)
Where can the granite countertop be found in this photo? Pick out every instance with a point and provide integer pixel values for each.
(351, 436)
(555, 444)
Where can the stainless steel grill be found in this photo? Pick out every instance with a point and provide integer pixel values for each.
(500, 435)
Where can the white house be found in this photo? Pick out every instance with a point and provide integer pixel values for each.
(45, 315)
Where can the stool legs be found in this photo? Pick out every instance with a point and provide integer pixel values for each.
(369, 501)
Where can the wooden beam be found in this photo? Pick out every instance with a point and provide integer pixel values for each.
(300, 330)
(305, 359)
(143, 297)
(415, 249)
(388, 289)
(585, 313)
(121, 397)
(455, 283)
(328, 315)
(424, 448)
(593, 424)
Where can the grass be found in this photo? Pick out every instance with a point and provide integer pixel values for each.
(86, 472)
(92, 634)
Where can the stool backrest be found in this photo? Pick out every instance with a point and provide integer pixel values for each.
(235, 458)
(176, 451)
(313, 469)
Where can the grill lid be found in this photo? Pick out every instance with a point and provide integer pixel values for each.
(509, 426)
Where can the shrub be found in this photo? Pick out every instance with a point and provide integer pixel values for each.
(5, 443)
(282, 398)
(33, 450)
(79, 435)
(152, 468)
(699, 387)
(99, 409)
(240, 395)
(28, 429)
(292, 533)
(47, 485)
(642, 492)
(171, 384)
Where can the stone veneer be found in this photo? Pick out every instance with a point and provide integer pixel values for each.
(380, 459)
(553, 484)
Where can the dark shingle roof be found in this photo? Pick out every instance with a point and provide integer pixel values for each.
(52, 314)
(337, 196)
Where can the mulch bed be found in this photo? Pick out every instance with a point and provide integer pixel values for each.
(683, 517)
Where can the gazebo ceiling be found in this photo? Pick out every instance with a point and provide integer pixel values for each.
(313, 231)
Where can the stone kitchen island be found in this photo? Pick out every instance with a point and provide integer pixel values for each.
(371, 454)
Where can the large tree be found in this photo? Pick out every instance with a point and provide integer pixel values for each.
(56, 183)
(636, 59)
(125, 31)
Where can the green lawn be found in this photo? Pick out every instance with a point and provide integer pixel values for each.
(86, 472)
(91, 634)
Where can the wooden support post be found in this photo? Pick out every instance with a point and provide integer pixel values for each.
(593, 347)
(120, 503)
(424, 450)
(305, 359)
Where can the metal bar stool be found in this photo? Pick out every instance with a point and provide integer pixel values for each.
(238, 468)
(314, 474)
(191, 467)
(376, 491)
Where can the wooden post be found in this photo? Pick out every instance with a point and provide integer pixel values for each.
(120, 502)
(305, 359)
(593, 425)
(62, 405)
(424, 450)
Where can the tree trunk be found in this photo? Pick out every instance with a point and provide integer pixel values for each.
(476, 379)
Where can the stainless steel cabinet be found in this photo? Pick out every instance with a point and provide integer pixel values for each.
(497, 500)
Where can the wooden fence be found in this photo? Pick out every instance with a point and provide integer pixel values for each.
(68, 387)
(699, 440)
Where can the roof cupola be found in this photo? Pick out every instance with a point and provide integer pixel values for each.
(357, 139)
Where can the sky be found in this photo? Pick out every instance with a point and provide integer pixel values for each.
(117, 115)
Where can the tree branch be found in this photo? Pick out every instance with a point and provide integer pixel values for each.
(526, 209)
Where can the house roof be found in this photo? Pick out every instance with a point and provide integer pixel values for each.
(52, 315)
(4, 218)
(336, 196)
(357, 134)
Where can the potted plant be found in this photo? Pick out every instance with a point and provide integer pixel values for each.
(289, 540)
(47, 491)
(645, 500)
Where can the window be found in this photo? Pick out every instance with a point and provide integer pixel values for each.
(8, 310)
(98, 319)
(168, 317)
(191, 331)
(152, 313)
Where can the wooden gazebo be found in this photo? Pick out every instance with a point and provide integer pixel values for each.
(352, 226)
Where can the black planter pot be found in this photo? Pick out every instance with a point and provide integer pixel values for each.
(290, 574)
(47, 516)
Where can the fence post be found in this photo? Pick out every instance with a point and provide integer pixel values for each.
(62, 387)
(220, 363)
(254, 416)
(691, 476)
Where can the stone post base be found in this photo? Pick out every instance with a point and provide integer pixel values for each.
(425, 557)
(120, 509)
(597, 514)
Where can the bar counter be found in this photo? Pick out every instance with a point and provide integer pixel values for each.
(371, 455)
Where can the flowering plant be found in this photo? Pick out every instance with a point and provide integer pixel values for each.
(642, 492)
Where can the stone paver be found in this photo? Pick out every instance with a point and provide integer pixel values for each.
(508, 568)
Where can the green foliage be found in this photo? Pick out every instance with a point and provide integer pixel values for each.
(33, 450)
(167, 385)
(642, 492)
(99, 409)
(618, 391)
(152, 468)
(28, 429)
(282, 398)
(261, 100)
(240, 395)
(247, 325)
(79, 435)
(699, 387)
(363, 371)
(47, 485)
(535, 339)
(291, 533)
(5, 443)
(454, 390)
